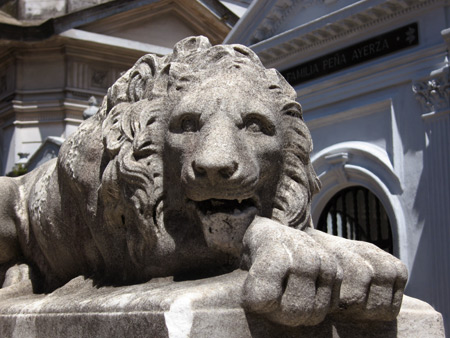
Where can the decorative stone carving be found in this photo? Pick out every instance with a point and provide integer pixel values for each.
(91, 109)
(197, 164)
(433, 92)
(337, 165)
(99, 78)
(278, 14)
(299, 41)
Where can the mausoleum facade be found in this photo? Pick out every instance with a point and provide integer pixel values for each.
(55, 55)
(373, 80)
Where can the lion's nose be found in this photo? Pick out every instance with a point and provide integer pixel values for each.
(215, 170)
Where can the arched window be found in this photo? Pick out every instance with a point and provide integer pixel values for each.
(356, 213)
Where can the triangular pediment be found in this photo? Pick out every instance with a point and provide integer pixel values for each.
(164, 29)
(162, 24)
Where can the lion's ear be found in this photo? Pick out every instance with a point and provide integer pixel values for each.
(121, 124)
(117, 93)
(277, 80)
(241, 50)
(142, 78)
(133, 85)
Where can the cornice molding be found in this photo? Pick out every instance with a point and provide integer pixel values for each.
(322, 32)
(198, 16)
(60, 24)
(206, 13)
(27, 113)
(114, 42)
(277, 14)
(446, 36)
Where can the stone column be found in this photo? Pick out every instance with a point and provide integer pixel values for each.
(433, 92)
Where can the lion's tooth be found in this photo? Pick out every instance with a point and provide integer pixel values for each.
(236, 212)
(240, 200)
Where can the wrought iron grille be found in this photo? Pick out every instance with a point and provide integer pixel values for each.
(356, 213)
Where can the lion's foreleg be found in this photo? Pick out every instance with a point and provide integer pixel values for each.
(9, 242)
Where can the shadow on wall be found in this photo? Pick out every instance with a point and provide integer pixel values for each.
(432, 202)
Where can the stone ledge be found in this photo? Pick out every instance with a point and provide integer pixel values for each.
(163, 308)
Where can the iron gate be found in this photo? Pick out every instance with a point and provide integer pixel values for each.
(356, 213)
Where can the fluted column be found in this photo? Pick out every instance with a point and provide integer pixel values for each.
(433, 92)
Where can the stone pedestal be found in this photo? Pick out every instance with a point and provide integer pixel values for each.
(163, 308)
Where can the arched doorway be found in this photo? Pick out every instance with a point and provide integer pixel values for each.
(356, 213)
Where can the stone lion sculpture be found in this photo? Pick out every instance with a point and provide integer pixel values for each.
(196, 164)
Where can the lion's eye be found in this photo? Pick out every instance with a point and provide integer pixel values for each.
(258, 125)
(253, 126)
(189, 124)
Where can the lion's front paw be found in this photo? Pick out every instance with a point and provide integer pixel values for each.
(377, 290)
(17, 274)
(373, 280)
(291, 279)
(17, 281)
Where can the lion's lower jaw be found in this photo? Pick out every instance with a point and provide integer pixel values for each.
(224, 232)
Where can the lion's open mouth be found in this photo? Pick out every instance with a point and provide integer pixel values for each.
(232, 207)
(224, 222)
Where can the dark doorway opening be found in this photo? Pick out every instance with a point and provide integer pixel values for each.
(356, 213)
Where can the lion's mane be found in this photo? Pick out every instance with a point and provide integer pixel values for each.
(132, 122)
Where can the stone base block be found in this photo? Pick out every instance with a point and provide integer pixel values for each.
(163, 308)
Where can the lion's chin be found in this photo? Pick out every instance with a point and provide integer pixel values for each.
(224, 222)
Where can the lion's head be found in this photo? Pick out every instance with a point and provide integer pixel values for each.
(195, 145)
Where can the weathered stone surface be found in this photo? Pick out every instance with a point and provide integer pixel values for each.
(196, 164)
(203, 308)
